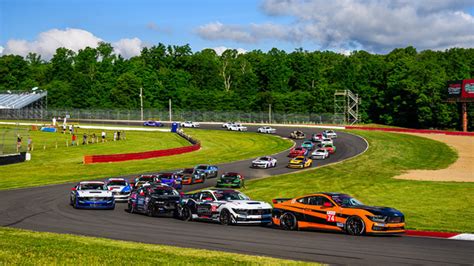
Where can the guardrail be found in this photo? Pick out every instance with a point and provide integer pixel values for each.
(406, 130)
(108, 158)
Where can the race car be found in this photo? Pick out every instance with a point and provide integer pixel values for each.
(317, 137)
(336, 212)
(146, 178)
(329, 147)
(298, 151)
(91, 195)
(300, 162)
(268, 130)
(231, 179)
(237, 127)
(208, 170)
(297, 134)
(119, 187)
(264, 162)
(170, 179)
(329, 134)
(191, 176)
(152, 123)
(326, 141)
(307, 144)
(189, 124)
(226, 206)
(228, 124)
(319, 154)
(154, 200)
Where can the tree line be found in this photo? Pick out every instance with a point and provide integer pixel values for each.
(402, 88)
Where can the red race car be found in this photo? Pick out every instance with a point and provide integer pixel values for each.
(298, 151)
(330, 148)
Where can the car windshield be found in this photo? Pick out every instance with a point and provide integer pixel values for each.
(263, 159)
(230, 175)
(346, 200)
(322, 151)
(327, 139)
(188, 171)
(92, 186)
(202, 167)
(146, 178)
(230, 195)
(164, 192)
(117, 183)
(298, 149)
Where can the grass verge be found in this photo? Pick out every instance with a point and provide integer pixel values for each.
(439, 206)
(27, 247)
(64, 164)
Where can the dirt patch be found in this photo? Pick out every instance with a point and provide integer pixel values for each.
(461, 171)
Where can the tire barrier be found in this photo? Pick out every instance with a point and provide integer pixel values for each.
(405, 130)
(89, 159)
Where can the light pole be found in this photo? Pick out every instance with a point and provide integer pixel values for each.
(169, 107)
(141, 103)
(270, 113)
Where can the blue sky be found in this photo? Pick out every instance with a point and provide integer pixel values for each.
(376, 26)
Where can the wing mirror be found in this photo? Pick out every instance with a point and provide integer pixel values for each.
(73, 189)
(327, 204)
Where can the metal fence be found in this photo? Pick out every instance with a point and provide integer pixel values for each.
(179, 115)
(9, 143)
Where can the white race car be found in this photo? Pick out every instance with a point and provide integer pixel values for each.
(226, 206)
(264, 162)
(120, 188)
(268, 130)
(190, 124)
(326, 141)
(91, 195)
(237, 127)
(228, 124)
(329, 134)
(319, 154)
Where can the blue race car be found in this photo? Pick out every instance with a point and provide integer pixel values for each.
(152, 123)
(120, 188)
(308, 145)
(208, 170)
(170, 179)
(91, 195)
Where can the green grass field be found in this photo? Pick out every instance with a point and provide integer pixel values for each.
(33, 248)
(439, 206)
(64, 164)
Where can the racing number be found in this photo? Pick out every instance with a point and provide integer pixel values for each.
(331, 216)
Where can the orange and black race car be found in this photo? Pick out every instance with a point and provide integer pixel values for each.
(336, 212)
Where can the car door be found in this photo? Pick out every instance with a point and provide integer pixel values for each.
(321, 213)
(204, 207)
(140, 199)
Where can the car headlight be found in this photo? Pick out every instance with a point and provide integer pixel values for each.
(236, 181)
(377, 218)
(240, 211)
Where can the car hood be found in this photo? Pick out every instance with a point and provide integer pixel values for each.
(318, 153)
(247, 204)
(259, 161)
(377, 210)
(296, 161)
(95, 193)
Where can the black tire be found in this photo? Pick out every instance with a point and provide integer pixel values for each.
(288, 221)
(150, 210)
(355, 226)
(74, 204)
(130, 208)
(225, 218)
(187, 214)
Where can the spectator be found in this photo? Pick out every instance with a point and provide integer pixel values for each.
(103, 136)
(18, 143)
(118, 135)
(54, 121)
(30, 144)
(84, 138)
(93, 138)
(115, 135)
(73, 138)
(71, 129)
(64, 128)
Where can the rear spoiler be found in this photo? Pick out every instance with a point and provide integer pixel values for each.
(280, 200)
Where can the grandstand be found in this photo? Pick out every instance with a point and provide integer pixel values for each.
(26, 105)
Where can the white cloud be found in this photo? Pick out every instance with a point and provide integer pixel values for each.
(221, 49)
(1, 49)
(73, 39)
(377, 26)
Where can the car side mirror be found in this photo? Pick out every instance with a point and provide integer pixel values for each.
(327, 204)
(73, 189)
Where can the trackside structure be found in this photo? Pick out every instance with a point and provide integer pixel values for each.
(346, 105)
(26, 104)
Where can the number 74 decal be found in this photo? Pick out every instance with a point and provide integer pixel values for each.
(331, 216)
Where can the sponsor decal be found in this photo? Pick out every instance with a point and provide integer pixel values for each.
(331, 216)
(454, 89)
(469, 87)
(340, 224)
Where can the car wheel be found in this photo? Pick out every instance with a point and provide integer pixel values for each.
(130, 208)
(150, 210)
(355, 226)
(225, 217)
(288, 221)
(187, 214)
(74, 205)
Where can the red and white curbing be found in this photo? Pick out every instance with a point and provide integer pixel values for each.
(444, 235)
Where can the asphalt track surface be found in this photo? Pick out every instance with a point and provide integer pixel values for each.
(47, 209)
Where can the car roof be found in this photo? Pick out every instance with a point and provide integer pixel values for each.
(92, 182)
(116, 179)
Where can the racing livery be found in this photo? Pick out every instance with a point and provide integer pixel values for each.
(154, 200)
(120, 188)
(319, 154)
(231, 179)
(307, 144)
(226, 206)
(170, 179)
(300, 162)
(189, 124)
(191, 176)
(316, 137)
(146, 178)
(91, 195)
(297, 134)
(329, 147)
(327, 141)
(298, 151)
(264, 162)
(228, 124)
(268, 130)
(208, 170)
(237, 127)
(329, 134)
(336, 212)
(152, 123)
